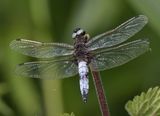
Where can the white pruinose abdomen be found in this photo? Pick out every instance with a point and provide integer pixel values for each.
(84, 81)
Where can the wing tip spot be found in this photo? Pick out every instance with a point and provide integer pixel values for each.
(18, 39)
(21, 64)
(13, 43)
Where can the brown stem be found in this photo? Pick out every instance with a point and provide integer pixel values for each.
(100, 93)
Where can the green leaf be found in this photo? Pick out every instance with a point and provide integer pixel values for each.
(66, 114)
(147, 104)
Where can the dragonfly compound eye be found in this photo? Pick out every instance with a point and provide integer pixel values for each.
(78, 32)
(75, 32)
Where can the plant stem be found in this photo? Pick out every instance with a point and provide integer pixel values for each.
(100, 93)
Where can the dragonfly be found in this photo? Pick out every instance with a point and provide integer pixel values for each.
(102, 52)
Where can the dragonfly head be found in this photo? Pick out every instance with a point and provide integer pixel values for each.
(78, 32)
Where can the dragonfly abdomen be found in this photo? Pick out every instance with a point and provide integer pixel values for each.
(84, 82)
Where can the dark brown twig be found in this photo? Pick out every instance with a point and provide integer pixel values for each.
(100, 93)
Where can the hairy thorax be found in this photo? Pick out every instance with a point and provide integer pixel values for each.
(81, 53)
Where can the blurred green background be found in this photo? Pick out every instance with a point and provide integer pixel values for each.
(53, 21)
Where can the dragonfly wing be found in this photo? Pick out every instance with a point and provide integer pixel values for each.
(47, 69)
(113, 57)
(119, 34)
(40, 49)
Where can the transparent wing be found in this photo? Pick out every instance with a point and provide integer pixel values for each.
(119, 34)
(41, 50)
(113, 57)
(47, 69)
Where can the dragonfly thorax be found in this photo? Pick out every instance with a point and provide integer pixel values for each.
(80, 49)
